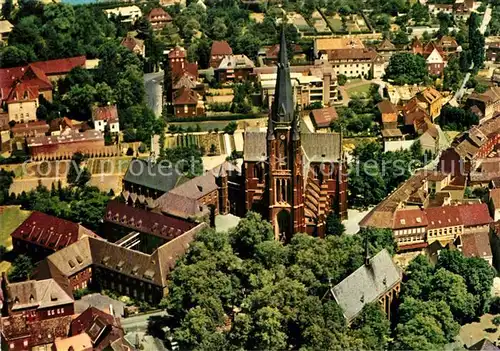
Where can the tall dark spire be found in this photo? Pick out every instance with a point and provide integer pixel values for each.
(282, 111)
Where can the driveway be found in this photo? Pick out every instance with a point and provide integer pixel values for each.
(139, 322)
(153, 83)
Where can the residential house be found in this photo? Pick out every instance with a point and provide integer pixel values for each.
(5, 29)
(127, 14)
(389, 114)
(493, 51)
(135, 45)
(417, 47)
(487, 102)
(41, 235)
(435, 9)
(219, 50)
(448, 44)
(468, 150)
(495, 204)
(269, 54)
(105, 265)
(96, 330)
(188, 103)
(435, 63)
(378, 280)
(433, 101)
(158, 18)
(477, 245)
(322, 118)
(106, 118)
(61, 125)
(349, 57)
(234, 68)
(34, 313)
(21, 101)
(310, 83)
(386, 49)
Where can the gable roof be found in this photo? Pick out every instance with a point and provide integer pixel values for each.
(495, 198)
(130, 42)
(107, 113)
(410, 218)
(153, 268)
(385, 106)
(220, 48)
(185, 96)
(254, 147)
(474, 214)
(236, 62)
(476, 245)
(36, 294)
(366, 284)
(50, 232)
(322, 147)
(151, 175)
(159, 14)
(386, 45)
(484, 345)
(38, 332)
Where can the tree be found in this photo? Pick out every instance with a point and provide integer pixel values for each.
(453, 75)
(21, 269)
(78, 176)
(373, 327)
(334, 225)
(406, 68)
(401, 38)
(250, 232)
(454, 118)
(7, 8)
(186, 160)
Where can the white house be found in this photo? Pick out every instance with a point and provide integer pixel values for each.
(106, 116)
(127, 13)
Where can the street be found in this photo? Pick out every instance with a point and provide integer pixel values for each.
(460, 92)
(153, 84)
(139, 322)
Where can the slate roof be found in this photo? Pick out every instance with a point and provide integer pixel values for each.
(152, 268)
(366, 284)
(151, 175)
(484, 345)
(50, 232)
(36, 294)
(320, 147)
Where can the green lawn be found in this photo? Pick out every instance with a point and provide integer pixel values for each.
(10, 218)
(360, 89)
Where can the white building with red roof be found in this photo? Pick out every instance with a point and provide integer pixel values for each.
(106, 117)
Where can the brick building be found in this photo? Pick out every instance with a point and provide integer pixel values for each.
(294, 179)
(188, 103)
(34, 313)
(219, 50)
(30, 129)
(41, 235)
(234, 68)
(105, 265)
(158, 18)
(488, 102)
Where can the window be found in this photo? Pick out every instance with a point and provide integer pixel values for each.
(11, 345)
(185, 108)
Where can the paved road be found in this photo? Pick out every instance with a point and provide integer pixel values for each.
(154, 91)
(460, 92)
(140, 322)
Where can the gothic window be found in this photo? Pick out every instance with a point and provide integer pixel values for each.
(284, 190)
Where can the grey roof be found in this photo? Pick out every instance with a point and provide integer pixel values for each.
(319, 147)
(366, 284)
(254, 148)
(484, 344)
(322, 147)
(151, 175)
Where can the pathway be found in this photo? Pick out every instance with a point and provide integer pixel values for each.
(153, 84)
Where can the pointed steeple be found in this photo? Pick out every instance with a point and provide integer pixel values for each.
(282, 111)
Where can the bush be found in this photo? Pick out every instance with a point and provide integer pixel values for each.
(142, 148)
(79, 293)
(496, 320)
(341, 79)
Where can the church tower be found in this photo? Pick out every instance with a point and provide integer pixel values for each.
(285, 164)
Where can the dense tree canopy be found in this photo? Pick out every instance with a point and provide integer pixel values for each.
(245, 290)
(456, 118)
(406, 68)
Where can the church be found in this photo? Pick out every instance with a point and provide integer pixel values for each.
(294, 178)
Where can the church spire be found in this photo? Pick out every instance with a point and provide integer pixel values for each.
(282, 111)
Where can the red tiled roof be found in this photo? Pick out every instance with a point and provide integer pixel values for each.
(476, 245)
(274, 50)
(185, 96)
(475, 214)
(60, 66)
(19, 92)
(220, 48)
(88, 135)
(41, 126)
(145, 221)
(445, 216)
(495, 198)
(130, 42)
(105, 113)
(50, 232)
(386, 106)
(410, 219)
(323, 117)
(158, 12)
(177, 52)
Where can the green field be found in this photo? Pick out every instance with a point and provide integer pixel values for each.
(10, 218)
